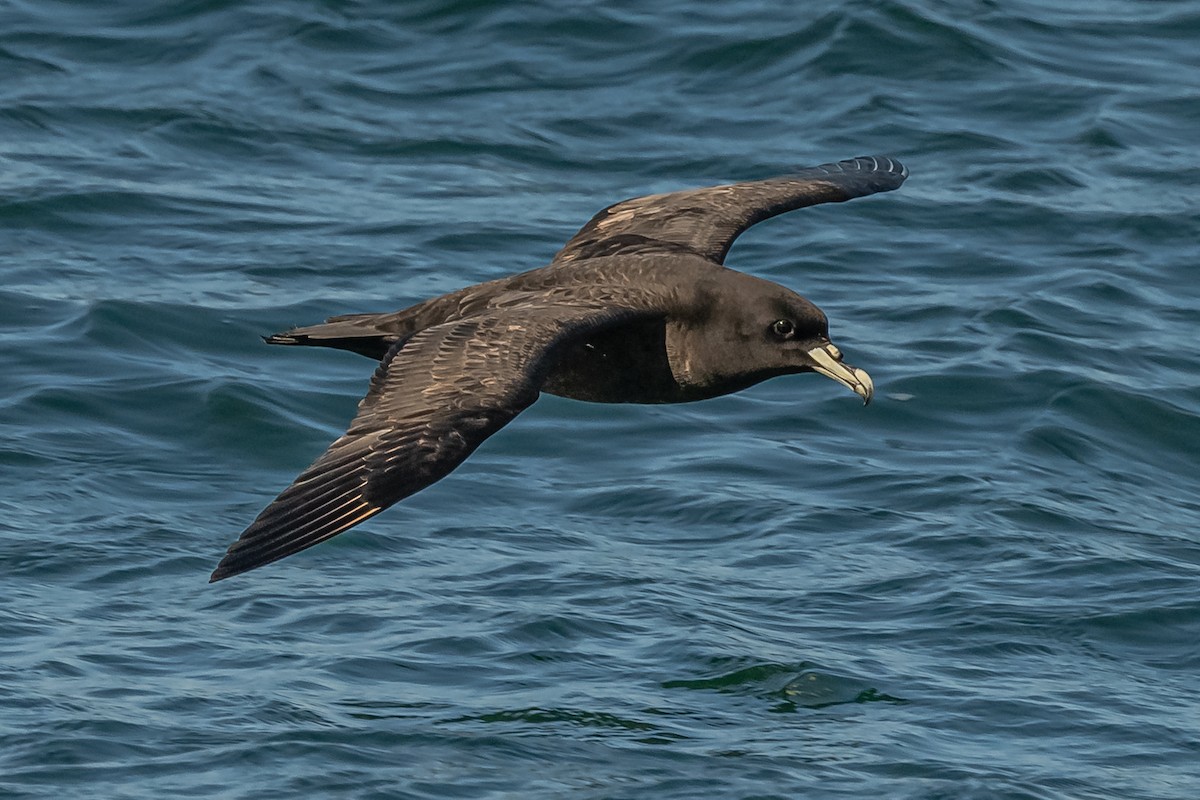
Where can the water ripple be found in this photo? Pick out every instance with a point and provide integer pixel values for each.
(980, 586)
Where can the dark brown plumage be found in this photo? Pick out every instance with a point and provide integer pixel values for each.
(637, 307)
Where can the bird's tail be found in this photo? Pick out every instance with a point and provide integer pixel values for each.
(358, 333)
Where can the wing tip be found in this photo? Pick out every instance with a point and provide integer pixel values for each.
(881, 166)
(248, 553)
(259, 546)
(864, 175)
(235, 563)
(221, 573)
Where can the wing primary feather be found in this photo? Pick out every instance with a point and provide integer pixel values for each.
(239, 560)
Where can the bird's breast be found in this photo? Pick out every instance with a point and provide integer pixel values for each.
(628, 364)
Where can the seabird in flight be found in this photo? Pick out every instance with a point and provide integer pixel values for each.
(636, 308)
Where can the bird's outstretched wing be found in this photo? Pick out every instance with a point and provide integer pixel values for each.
(434, 399)
(706, 221)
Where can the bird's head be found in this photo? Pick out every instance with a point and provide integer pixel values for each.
(768, 331)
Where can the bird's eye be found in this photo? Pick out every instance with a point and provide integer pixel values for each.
(783, 328)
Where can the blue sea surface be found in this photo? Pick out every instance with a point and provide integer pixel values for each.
(986, 584)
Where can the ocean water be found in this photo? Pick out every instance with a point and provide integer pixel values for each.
(986, 584)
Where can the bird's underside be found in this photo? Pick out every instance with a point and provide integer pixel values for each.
(637, 307)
